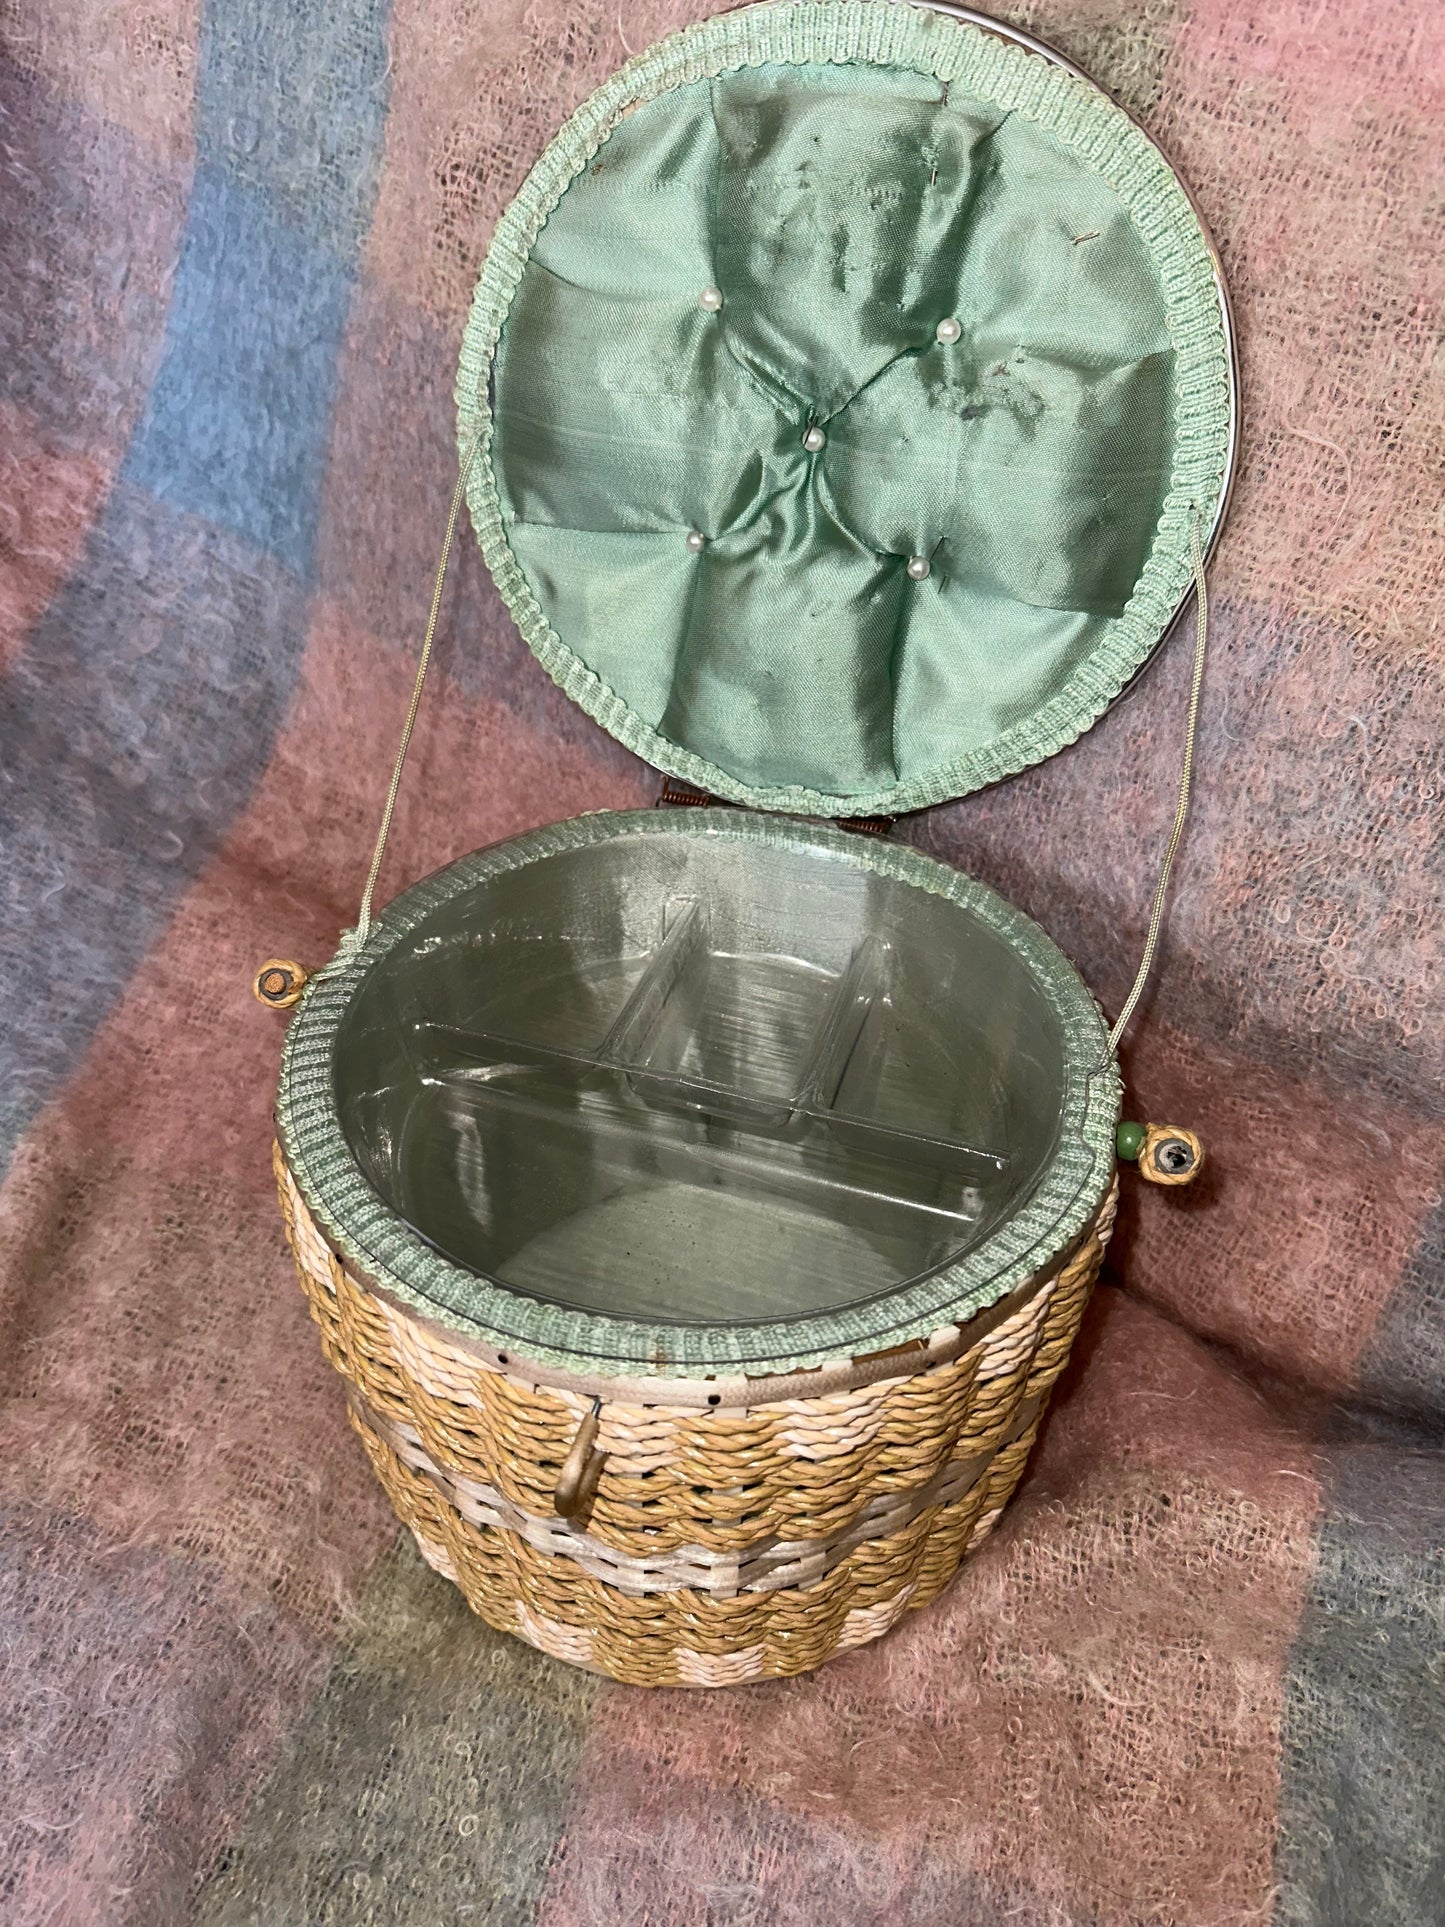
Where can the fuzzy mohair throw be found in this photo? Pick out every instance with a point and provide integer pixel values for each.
(1194, 1680)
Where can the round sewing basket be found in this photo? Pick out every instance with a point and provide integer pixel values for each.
(700, 1203)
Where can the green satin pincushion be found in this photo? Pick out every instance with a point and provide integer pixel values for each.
(855, 380)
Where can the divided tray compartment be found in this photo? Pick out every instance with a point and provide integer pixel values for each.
(694, 1091)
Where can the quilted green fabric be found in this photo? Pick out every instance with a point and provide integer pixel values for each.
(855, 376)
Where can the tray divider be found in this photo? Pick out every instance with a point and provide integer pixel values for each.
(685, 935)
(836, 1038)
(461, 1058)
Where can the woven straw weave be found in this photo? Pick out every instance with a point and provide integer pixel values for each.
(721, 1546)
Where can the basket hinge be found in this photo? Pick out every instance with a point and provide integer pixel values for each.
(676, 794)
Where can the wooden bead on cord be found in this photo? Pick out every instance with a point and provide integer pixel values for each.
(1170, 1155)
(279, 983)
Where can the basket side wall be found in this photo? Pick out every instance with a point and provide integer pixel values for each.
(720, 1546)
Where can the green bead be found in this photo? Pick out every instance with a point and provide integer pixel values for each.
(1129, 1141)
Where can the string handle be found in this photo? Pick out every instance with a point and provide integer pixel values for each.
(363, 920)
(1186, 784)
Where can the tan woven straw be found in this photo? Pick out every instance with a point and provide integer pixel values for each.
(717, 1545)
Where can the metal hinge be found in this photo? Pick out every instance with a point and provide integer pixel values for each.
(675, 794)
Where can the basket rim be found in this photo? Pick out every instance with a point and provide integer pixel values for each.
(371, 1240)
(1032, 82)
(737, 1392)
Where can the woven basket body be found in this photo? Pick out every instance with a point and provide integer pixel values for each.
(690, 1450)
(722, 1546)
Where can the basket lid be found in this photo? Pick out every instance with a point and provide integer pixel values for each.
(848, 383)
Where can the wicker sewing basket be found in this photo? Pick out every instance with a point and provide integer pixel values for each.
(700, 1204)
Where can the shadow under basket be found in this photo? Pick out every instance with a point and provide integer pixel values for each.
(700, 1203)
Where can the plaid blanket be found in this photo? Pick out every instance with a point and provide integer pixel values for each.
(1195, 1676)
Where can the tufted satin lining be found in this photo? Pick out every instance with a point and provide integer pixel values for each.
(842, 213)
